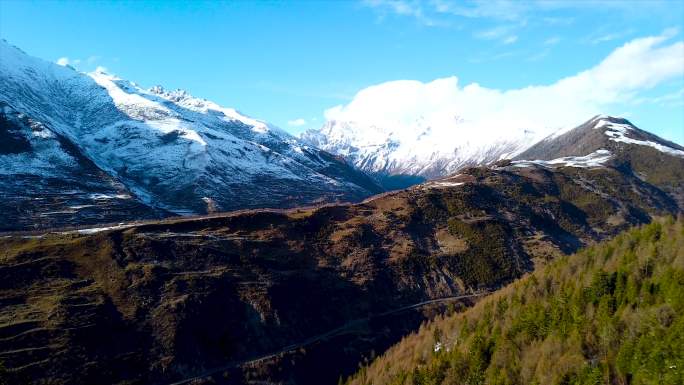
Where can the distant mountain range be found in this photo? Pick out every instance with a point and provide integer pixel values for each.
(80, 149)
(402, 154)
(400, 157)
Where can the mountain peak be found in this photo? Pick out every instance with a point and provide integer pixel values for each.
(602, 120)
(158, 89)
(175, 95)
(594, 143)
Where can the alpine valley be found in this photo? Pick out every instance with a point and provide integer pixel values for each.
(112, 286)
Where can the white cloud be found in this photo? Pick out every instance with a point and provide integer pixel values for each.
(516, 10)
(639, 65)
(510, 39)
(400, 7)
(492, 9)
(492, 56)
(296, 122)
(558, 21)
(503, 33)
(101, 69)
(672, 99)
(552, 40)
(539, 55)
(410, 8)
(63, 61)
(606, 38)
(493, 33)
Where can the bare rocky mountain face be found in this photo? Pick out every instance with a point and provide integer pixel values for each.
(97, 145)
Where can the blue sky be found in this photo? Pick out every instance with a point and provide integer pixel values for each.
(289, 62)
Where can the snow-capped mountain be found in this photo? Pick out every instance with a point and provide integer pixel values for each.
(427, 147)
(600, 133)
(167, 149)
(606, 141)
(438, 147)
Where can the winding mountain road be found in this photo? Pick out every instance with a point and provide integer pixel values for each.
(323, 336)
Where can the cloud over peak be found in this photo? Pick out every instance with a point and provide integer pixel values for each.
(622, 77)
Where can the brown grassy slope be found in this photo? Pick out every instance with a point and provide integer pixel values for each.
(163, 301)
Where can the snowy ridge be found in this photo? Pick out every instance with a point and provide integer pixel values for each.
(448, 182)
(597, 158)
(426, 148)
(169, 148)
(618, 133)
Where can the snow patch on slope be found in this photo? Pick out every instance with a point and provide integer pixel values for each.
(618, 132)
(46, 157)
(596, 159)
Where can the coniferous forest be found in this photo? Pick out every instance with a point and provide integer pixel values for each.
(610, 314)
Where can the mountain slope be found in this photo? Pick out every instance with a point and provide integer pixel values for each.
(611, 314)
(616, 142)
(214, 297)
(600, 132)
(172, 151)
(46, 180)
